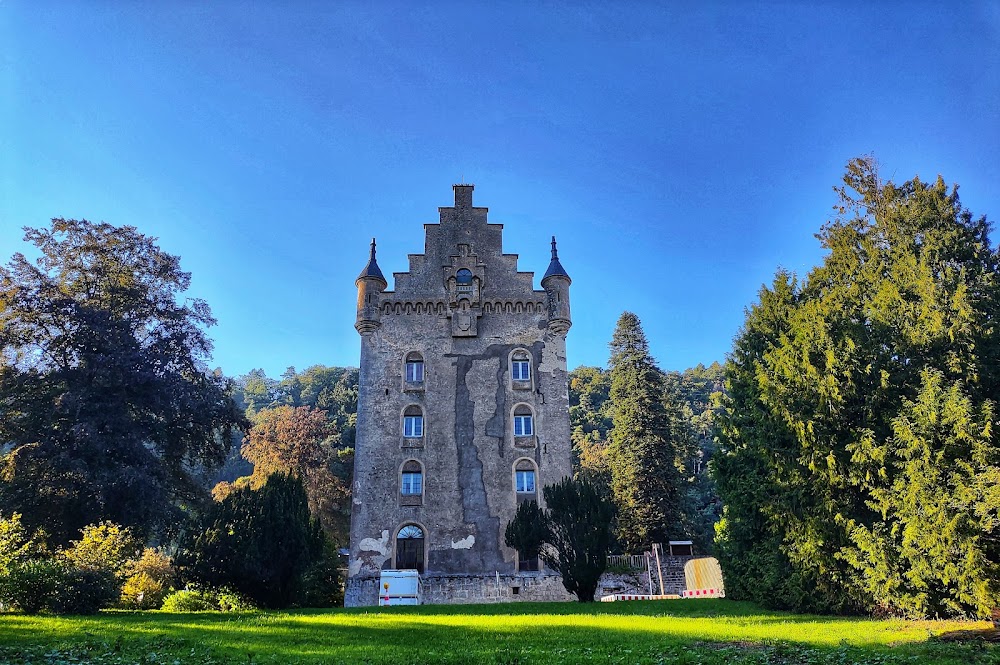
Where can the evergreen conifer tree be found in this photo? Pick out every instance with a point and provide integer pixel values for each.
(858, 458)
(647, 443)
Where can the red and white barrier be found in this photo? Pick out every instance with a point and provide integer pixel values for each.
(704, 593)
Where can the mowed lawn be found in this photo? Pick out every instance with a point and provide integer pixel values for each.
(689, 631)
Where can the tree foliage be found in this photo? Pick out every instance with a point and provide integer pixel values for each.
(572, 533)
(293, 440)
(105, 546)
(107, 403)
(650, 442)
(261, 543)
(528, 530)
(858, 456)
(304, 424)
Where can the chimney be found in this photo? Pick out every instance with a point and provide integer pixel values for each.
(463, 195)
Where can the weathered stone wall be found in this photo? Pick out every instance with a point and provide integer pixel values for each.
(484, 588)
(468, 452)
(467, 589)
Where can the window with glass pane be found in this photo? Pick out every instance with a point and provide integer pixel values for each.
(413, 427)
(412, 483)
(520, 368)
(523, 426)
(525, 481)
(414, 371)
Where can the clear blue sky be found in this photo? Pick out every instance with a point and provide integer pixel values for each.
(680, 153)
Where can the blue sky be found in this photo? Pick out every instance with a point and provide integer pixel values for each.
(680, 153)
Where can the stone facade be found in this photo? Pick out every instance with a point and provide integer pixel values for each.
(463, 410)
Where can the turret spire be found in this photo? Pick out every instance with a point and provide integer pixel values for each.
(555, 268)
(372, 269)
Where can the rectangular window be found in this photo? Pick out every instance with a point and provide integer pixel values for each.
(413, 427)
(523, 426)
(412, 484)
(526, 482)
(415, 372)
(530, 564)
(520, 370)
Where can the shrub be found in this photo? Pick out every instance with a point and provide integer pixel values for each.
(321, 585)
(149, 578)
(142, 592)
(105, 545)
(15, 545)
(57, 586)
(206, 600)
(188, 600)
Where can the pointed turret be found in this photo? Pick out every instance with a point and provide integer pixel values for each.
(371, 283)
(556, 284)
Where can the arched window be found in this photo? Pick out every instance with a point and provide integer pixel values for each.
(413, 479)
(410, 548)
(413, 422)
(463, 283)
(524, 478)
(411, 484)
(414, 368)
(524, 424)
(520, 367)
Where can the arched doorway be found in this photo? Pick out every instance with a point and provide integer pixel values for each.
(410, 548)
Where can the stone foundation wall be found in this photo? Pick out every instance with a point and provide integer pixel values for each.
(461, 589)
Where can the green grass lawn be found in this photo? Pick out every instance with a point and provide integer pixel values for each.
(689, 631)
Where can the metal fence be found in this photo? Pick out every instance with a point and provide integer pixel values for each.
(627, 561)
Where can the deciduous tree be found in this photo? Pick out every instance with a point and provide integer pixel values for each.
(106, 398)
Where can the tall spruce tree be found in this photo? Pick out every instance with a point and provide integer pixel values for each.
(647, 445)
(857, 433)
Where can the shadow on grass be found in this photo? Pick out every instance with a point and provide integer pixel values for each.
(981, 635)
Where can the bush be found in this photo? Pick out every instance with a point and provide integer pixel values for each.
(57, 586)
(188, 600)
(105, 545)
(149, 578)
(206, 600)
(142, 592)
(15, 543)
(321, 585)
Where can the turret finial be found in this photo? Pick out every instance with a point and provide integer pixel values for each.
(555, 268)
(372, 269)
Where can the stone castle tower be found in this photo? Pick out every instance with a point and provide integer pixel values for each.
(463, 412)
